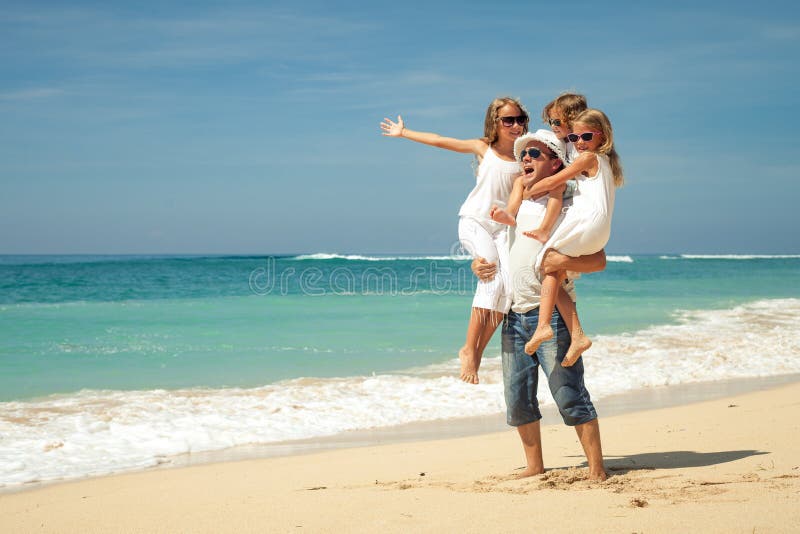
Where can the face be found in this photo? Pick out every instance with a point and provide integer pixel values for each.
(541, 167)
(591, 145)
(509, 133)
(562, 130)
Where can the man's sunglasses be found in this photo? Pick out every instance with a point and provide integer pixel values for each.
(534, 153)
(508, 122)
(586, 136)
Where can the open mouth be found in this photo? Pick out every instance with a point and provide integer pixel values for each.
(527, 169)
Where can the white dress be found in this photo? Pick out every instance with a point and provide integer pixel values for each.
(586, 226)
(485, 238)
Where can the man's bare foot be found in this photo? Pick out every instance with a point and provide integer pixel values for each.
(538, 235)
(542, 334)
(599, 476)
(502, 216)
(469, 366)
(580, 343)
(530, 472)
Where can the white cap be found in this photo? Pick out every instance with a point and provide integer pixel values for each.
(543, 136)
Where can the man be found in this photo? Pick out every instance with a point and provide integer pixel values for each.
(520, 371)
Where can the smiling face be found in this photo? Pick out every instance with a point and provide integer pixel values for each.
(509, 133)
(545, 165)
(563, 129)
(591, 145)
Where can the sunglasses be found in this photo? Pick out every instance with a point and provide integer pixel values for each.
(534, 153)
(555, 122)
(508, 122)
(586, 136)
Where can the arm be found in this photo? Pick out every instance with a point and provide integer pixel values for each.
(465, 146)
(483, 269)
(591, 263)
(585, 162)
(515, 198)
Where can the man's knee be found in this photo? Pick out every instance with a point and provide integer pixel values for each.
(574, 406)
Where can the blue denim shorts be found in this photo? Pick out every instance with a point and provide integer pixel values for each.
(521, 372)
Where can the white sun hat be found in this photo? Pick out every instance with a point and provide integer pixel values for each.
(543, 136)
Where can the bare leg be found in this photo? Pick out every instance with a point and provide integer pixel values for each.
(580, 343)
(589, 436)
(531, 436)
(489, 328)
(470, 354)
(547, 302)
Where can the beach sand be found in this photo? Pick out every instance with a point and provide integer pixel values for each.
(724, 465)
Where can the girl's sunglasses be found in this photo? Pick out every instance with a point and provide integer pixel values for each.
(534, 153)
(586, 136)
(555, 122)
(508, 122)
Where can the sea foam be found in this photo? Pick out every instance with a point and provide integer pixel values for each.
(99, 432)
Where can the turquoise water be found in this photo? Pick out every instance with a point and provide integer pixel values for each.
(69, 323)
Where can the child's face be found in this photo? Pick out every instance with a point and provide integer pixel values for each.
(583, 130)
(558, 122)
(511, 132)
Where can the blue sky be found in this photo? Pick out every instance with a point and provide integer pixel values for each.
(253, 127)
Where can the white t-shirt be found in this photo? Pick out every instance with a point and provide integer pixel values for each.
(525, 286)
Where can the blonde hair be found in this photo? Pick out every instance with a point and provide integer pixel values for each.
(490, 122)
(596, 119)
(569, 104)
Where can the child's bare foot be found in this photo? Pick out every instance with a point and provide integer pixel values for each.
(500, 215)
(542, 334)
(538, 235)
(580, 343)
(469, 365)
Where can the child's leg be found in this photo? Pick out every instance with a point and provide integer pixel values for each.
(569, 313)
(554, 204)
(547, 302)
(482, 322)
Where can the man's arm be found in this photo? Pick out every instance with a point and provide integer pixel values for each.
(483, 269)
(591, 263)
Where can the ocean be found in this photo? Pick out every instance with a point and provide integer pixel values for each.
(113, 363)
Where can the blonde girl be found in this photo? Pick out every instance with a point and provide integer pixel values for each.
(505, 120)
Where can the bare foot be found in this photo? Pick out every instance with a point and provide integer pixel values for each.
(580, 343)
(542, 334)
(598, 476)
(538, 235)
(469, 366)
(530, 472)
(502, 216)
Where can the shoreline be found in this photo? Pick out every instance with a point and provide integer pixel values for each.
(722, 465)
(441, 430)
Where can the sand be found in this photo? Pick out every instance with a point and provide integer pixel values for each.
(725, 465)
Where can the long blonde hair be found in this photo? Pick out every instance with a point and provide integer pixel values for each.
(596, 119)
(490, 122)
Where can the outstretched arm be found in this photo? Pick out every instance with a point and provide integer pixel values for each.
(584, 162)
(465, 146)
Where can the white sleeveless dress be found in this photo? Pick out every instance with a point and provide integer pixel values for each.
(586, 226)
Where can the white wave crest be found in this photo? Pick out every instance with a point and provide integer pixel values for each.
(739, 256)
(623, 259)
(357, 257)
(100, 432)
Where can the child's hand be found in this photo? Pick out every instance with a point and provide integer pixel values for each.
(393, 129)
